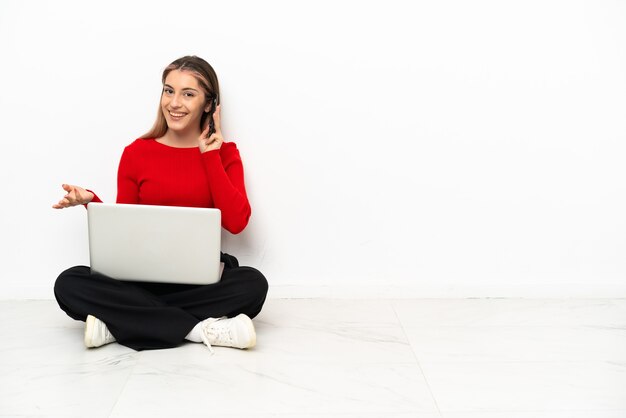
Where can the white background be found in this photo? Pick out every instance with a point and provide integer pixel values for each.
(438, 149)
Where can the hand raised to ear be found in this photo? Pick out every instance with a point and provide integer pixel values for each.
(75, 196)
(216, 140)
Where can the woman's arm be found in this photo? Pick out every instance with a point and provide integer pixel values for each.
(224, 171)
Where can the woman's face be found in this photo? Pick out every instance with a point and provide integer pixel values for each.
(182, 101)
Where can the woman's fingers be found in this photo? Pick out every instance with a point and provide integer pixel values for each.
(208, 143)
(71, 191)
(71, 198)
(63, 203)
(205, 132)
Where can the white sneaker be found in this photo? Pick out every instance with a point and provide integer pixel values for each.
(235, 332)
(96, 333)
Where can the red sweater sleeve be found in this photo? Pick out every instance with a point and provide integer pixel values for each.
(225, 173)
(127, 187)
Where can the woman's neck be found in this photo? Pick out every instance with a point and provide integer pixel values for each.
(180, 139)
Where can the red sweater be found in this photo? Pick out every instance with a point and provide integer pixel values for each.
(151, 173)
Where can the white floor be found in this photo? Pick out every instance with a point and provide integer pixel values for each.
(492, 358)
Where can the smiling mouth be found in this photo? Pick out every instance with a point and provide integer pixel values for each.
(176, 114)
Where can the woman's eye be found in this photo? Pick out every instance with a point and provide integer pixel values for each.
(168, 91)
(189, 94)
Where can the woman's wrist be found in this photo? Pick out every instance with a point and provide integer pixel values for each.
(90, 197)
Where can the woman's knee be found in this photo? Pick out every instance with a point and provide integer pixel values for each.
(67, 279)
(258, 287)
(257, 281)
(67, 287)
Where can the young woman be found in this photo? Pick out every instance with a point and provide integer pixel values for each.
(182, 161)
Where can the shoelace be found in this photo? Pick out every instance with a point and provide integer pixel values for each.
(220, 333)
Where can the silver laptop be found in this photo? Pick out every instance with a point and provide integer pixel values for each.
(155, 243)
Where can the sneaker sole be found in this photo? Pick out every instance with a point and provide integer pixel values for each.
(250, 327)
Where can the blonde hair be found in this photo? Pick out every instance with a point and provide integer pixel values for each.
(207, 79)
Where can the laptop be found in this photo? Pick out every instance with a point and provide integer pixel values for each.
(166, 244)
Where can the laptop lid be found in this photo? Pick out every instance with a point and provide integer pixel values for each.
(155, 243)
